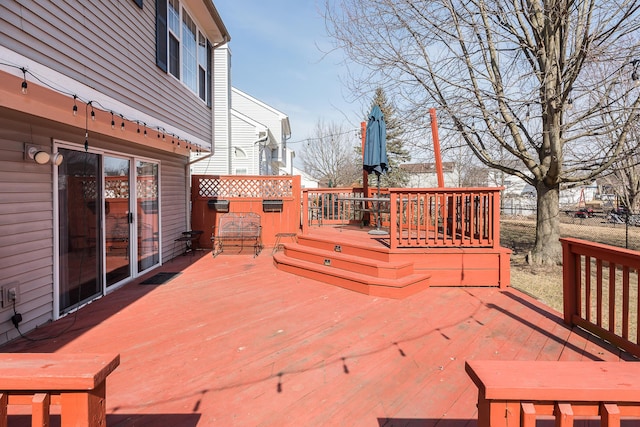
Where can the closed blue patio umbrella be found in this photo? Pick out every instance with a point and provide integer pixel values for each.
(375, 151)
(375, 144)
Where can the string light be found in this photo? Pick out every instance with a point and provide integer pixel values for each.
(24, 89)
(24, 81)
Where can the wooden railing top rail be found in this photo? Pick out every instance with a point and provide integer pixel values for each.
(77, 382)
(620, 256)
(515, 393)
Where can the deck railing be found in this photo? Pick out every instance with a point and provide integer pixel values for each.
(419, 218)
(600, 285)
(457, 217)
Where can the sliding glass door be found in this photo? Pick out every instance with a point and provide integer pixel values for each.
(100, 227)
(79, 219)
(148, 220)
(118, 219)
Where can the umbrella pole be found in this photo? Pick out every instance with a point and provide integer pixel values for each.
(377, 229)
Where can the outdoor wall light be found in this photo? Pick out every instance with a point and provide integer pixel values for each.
(35, 154)
(57, 158)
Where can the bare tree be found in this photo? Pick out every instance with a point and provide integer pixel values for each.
(624, 178)
(331, 155)
(503, 74)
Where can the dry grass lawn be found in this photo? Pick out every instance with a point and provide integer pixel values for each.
(545, 282)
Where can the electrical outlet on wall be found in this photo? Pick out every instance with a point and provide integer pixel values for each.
(9, 294)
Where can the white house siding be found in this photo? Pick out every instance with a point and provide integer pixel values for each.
(219, 163)
(104, 45)
(258, 111)
(245, 135)
(26, 212)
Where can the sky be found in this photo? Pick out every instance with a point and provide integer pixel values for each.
(278, 56)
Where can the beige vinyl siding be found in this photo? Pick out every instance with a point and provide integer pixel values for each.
(26, 231)
(109, 46)
(26, 211)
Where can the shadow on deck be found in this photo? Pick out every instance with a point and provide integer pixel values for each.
(234, 341)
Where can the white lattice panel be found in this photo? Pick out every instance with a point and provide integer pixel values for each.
(264, 188)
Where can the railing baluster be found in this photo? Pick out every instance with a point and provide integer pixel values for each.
(4, 401)
(599, 292)
(625, 302)
(564, 414)
(609, 415)
(40, 409)
(527, 414)
(612, 297)
(587, 287)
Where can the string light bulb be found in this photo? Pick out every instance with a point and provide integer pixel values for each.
(93, 113)
(113, 123)
(75, 106)
(145, 130)
(24, 81)
(138, 122)
(122, 124)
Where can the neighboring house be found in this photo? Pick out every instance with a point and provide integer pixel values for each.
(424, 175)
(306, 180)
(101, 105)
(250, 136)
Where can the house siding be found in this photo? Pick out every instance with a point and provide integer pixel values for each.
(104, 46)
(244, 137)
(220, 162)
(26, 213)
(258, 112)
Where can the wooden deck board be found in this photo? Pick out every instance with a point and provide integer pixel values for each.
(232, 341)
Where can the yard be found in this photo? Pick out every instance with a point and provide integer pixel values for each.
(545, 282)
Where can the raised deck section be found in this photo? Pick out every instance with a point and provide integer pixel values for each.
(349, 257)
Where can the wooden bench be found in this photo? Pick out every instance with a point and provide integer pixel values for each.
(76, 382)
(237, 229)
(516, 393)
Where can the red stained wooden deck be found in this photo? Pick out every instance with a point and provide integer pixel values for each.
(233, 341)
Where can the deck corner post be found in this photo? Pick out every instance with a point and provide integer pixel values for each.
(569, 270)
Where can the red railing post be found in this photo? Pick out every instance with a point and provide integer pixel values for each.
(394, 229)
(569, 269)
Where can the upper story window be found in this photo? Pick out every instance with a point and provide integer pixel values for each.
(182, 49)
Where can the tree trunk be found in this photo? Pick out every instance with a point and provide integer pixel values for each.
(547, 249)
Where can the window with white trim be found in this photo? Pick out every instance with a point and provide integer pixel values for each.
(182, 50)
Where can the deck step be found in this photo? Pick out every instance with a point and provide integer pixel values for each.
(358, 282)
(343, 246)
(344, 261)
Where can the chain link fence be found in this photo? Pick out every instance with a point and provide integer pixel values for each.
(612, 227)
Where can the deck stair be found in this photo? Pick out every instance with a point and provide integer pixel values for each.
(351, 265)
